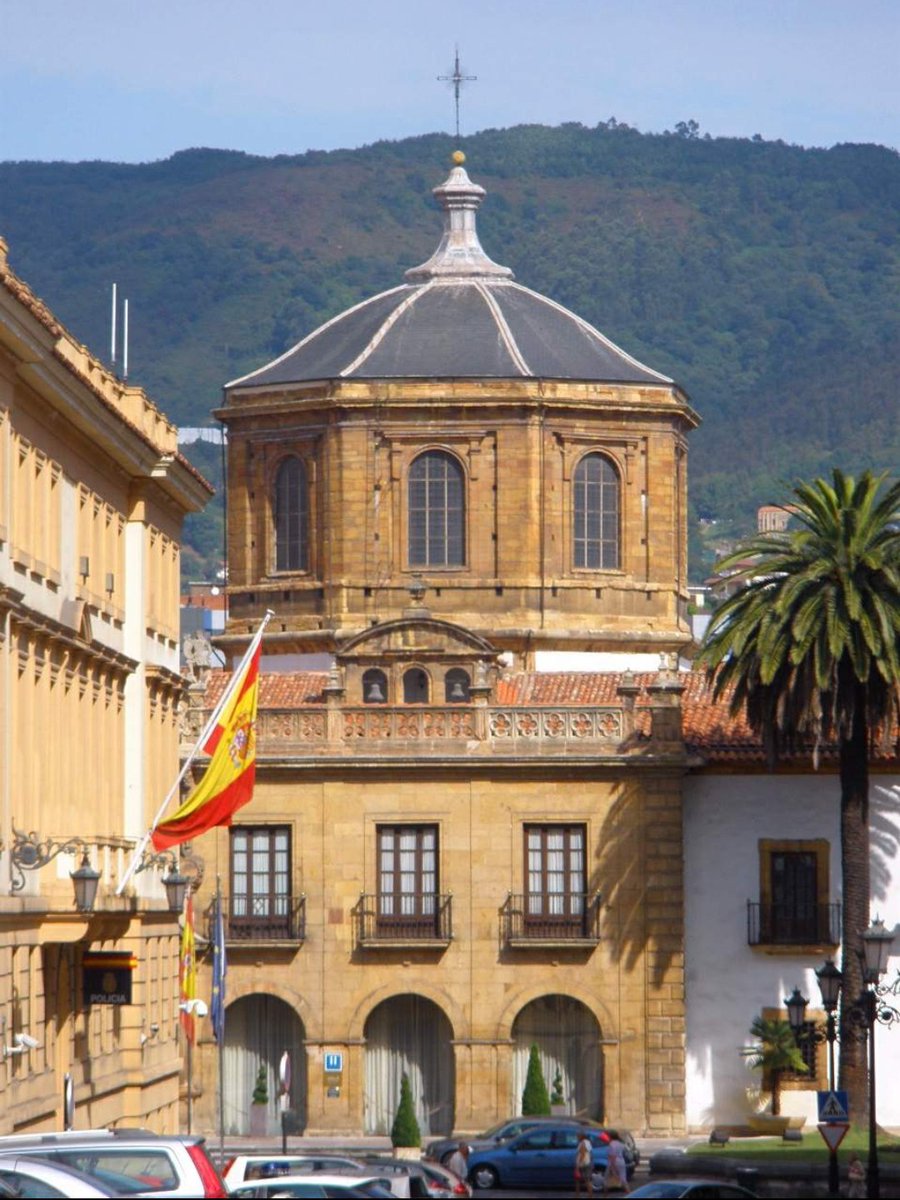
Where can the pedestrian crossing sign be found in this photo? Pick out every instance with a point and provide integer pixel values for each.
(833, 1108)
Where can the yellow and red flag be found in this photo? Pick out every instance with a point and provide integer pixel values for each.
(187, 970)
(228, 781)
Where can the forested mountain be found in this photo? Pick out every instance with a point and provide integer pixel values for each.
(762, 276)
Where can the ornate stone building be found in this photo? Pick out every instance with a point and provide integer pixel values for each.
(93, 493)
(465, 837)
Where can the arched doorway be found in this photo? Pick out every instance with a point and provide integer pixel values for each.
(258, 1030)
(409, 1035)
(567, 1036)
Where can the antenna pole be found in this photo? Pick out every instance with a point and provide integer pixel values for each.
(125, 342)
(113, 355)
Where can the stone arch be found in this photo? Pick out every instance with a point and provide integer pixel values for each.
(271, 987)
(568, 1037)
(507, 1016)
(409, 1035)
(439, 997)
(259, 1028)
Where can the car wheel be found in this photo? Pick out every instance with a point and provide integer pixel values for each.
(485, 1177)
(598, 1175)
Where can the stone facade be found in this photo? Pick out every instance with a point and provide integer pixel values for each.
(450, 855)
(92, 497)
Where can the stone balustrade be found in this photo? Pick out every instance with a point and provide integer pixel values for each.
(499, 728)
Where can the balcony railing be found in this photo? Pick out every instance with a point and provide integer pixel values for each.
(410, 917)
(285, 920)
(564, 917)
(793, 924)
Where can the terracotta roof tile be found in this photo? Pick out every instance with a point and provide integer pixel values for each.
(709, 730)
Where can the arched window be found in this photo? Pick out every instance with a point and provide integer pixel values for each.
(436, 511)
(456, 686)
(291, 517)
(374, 685)
(596, 514)
(415, 686)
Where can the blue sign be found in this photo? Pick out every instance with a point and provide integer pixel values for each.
(334, 1062)
(834, 1108)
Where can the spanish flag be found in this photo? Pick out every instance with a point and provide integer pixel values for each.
(187, 970)
(227, 784)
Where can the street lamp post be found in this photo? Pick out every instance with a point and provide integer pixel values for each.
(877, 942)
(869, 1009)
(830, 979)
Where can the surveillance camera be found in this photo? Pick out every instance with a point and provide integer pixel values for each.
(26, 1040)
(154, 1028)
(201, 1008)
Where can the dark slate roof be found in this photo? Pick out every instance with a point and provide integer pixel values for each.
(460, 315)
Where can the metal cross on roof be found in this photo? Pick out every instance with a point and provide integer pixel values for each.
(457, 79)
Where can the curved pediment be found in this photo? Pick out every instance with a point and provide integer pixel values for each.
(416, 637)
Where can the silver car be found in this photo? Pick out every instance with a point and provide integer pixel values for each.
(136, 1162)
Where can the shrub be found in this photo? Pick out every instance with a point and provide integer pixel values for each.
(261, 1088)
(535, 1100)
(405, 1130)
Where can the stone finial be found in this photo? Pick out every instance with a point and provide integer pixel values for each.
(459, 253)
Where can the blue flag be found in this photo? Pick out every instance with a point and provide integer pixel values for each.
(219, 971)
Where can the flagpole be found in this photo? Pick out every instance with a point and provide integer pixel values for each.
(207, 730)
(220, 926)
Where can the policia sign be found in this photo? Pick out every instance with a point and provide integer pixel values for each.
(107, 976)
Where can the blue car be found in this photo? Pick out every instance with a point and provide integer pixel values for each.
(540, 1157)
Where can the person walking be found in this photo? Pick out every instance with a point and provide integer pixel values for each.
(584, 1165)
(616, 1177)
(458, 1162)
(856, 1177)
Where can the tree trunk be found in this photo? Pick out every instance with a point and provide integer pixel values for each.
(854, 765)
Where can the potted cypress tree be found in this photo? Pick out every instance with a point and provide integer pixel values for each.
(259, 1104)
(535, 1098)
(557, 1097)
(406, 1137)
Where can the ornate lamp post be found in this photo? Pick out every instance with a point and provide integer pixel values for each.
(869, 1009)
(830, 980)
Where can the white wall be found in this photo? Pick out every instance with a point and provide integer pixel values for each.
(727, 982)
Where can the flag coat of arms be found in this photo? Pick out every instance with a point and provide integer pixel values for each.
(227, 783)
(187, 970)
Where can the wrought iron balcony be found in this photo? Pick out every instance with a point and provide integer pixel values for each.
(551, 919)
(270, 919)
(793, 924)
(412, 917)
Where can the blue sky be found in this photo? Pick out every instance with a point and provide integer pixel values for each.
(135, 81)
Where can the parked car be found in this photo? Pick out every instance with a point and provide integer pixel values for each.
(314, 1184)
(133, 1161)
(543, 1156)
(244, 1167)
(408, 1176)
(36, 1177)
(504, 1131)
(707, 1189)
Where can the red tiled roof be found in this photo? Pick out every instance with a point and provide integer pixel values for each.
(709, 729)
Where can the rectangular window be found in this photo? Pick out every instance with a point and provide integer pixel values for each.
(555, 877)
(794, 906)
(407, 875)
(260, 882)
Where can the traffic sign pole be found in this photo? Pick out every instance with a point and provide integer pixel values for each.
(833, 1133)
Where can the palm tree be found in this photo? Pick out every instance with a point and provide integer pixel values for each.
(808, 647)
(776, 1052)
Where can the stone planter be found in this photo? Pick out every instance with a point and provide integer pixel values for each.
(413, 1153)
(766, 1123)
(259, 1120)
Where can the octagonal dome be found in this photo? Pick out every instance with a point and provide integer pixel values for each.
(459, 315)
